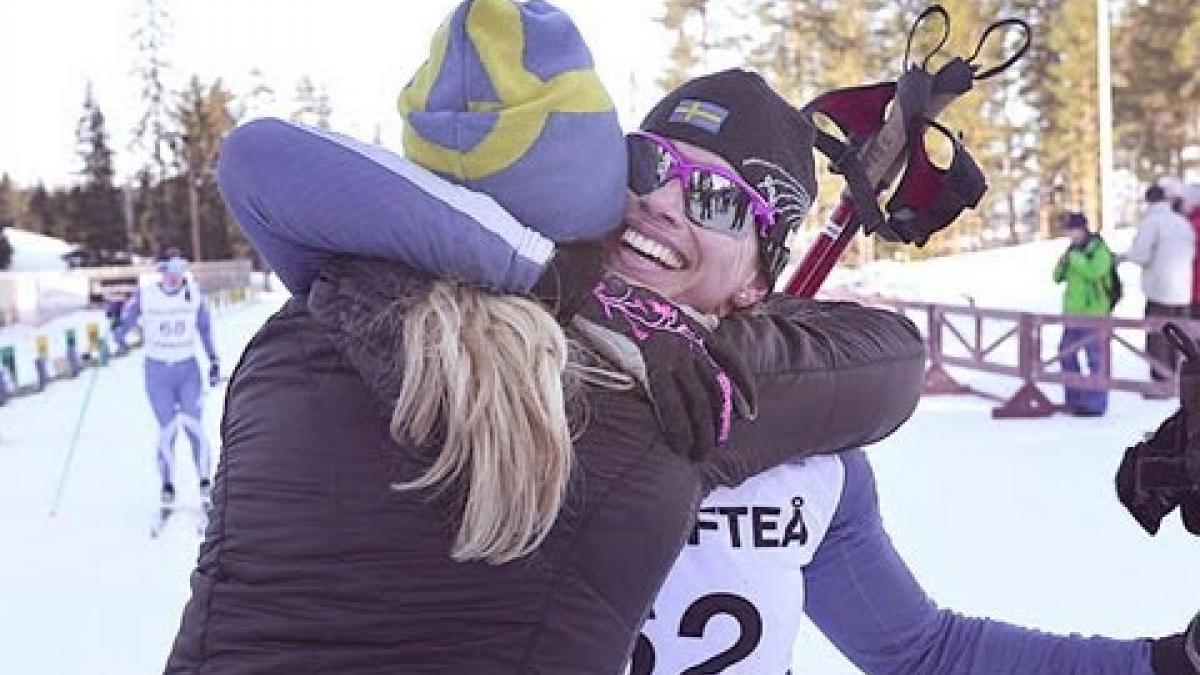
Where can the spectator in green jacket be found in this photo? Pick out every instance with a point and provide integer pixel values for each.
(1087, 269)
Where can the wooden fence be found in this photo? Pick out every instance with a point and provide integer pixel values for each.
(1010, 342)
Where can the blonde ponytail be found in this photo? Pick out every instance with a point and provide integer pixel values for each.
(488, 370)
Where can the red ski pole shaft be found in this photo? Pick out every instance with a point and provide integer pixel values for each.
(825, 250)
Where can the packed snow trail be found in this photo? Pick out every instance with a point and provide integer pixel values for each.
(89, 590)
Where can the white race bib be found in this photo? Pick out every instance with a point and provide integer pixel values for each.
(169, 323)
(734, 601)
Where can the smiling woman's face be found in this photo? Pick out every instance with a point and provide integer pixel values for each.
(662, 249)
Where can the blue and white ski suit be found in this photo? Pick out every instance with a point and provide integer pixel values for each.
(172, 321)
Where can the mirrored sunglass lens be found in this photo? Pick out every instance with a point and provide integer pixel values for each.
(648, 164)
(716, 202)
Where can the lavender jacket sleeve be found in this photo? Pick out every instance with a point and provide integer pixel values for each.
(302, 195)
(131, 311)
(865, 600)
(204, 328)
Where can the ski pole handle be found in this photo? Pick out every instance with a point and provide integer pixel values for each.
(882, 157)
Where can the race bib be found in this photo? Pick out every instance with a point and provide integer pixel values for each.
(734, 601)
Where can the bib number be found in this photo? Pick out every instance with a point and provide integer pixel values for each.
(693, 623)
(172, 328)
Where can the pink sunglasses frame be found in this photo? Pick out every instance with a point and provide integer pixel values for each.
(681, 166)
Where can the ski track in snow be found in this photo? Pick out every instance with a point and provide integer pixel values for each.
(1015, 520)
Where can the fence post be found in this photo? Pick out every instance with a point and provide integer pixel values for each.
(96, 347)
(42, 361)
(937, 380)
(1028, 401)
(8, 374)
(73, 362)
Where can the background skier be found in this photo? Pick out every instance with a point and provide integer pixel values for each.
(174, 318)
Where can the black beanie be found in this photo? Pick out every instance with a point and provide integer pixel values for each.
(736, 114)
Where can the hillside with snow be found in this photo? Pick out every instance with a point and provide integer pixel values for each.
(33, 252)
(1015, 277)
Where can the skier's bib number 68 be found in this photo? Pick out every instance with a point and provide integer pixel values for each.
(692, 625)
(169, 328)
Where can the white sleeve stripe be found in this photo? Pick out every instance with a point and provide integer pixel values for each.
(477, 206)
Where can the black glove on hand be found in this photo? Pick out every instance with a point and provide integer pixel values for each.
(1163, 471)
(691, 379)
(1178, 654)
(214, 373)
(568, 278)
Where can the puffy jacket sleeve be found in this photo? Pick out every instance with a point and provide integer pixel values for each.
(829, 376)
(303, 195)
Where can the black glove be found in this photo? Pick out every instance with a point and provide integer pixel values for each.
(568, 278)
(1148, 505)
(1178, 654)
(691, 378)
(1163, 471)
(214, 373)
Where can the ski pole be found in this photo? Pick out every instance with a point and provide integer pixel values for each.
(882, 156)
(62, 478)
(882, 160)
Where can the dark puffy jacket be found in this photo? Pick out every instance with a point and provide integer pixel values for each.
(312, 564)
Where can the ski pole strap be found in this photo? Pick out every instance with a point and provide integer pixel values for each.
(1003, 65)
(912, 33)
(845, 162)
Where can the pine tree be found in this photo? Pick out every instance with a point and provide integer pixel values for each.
(1156, 85)
(1036, 89)
(1070, 141)
(41, 212)
(101, 224)
(204, 116)
(6, 250)
(9, 200)
(8, 195)
(152, 136)
(1188, 51)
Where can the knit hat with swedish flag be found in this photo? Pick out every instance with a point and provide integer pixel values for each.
(508, 103)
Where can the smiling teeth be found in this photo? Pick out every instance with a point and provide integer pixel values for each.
(651, 248)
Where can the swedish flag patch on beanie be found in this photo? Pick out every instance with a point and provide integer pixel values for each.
(509, 103)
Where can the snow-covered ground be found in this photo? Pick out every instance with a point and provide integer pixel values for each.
(1009, 519)
(87, 590)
